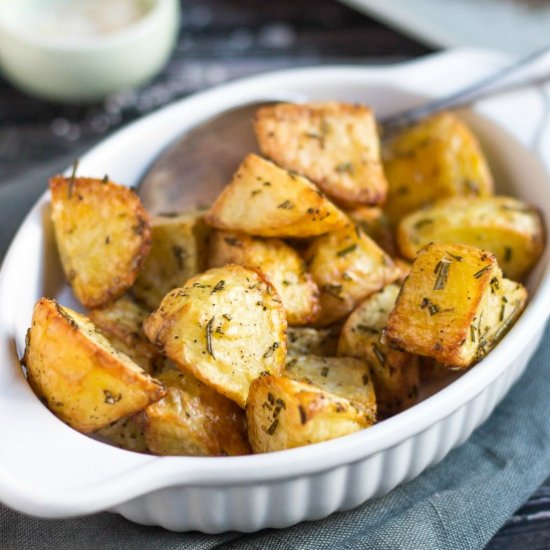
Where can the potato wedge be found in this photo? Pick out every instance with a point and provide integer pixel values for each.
(437, 158)
(267, 201)
(347, 377)
(126, 433)
(103, 236)
(225, 326)
(336, 145)
(194, 420)
(80, 376)
(395, 374)
(347, 266)
(283, 413)
(122, 323)
(178, 252)
(313, 341)
(453, 306)
(507, 227)
(284, 267)
(375, 223)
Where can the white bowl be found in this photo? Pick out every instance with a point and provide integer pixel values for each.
(69, 68)
(48, 469)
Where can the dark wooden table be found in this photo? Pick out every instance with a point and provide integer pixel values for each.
(221, 40)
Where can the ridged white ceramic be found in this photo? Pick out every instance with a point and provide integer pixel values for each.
(48, 469)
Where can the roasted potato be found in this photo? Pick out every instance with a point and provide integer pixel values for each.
(346, 377)
(336, 145)
(80, 376)
(284, 267)
(505, 226)
(313, 341)
(122, 323)
(454, 305)
(394, 373)
(126, 433)
(375, 223)
(434, 159)
(195, 420)
(283, 413)
(267, 201)
(103, 236)
(178, 252)
(225, 326)
(347, 266)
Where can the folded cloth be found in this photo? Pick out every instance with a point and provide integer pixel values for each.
(458, 504)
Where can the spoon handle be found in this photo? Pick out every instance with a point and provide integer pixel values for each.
(493, 84)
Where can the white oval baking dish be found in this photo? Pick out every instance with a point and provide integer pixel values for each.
(48, 469)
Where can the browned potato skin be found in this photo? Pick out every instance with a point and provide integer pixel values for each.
(122, 323)
(346, 377)
(178, 252)
(284, 413)
(225, 326)
(395, 373)
(103, 236)
(267, 201)
(80, 376)
(126, 433)
(284, 267)
(452, 321)
(348, 266)
(313, 341)
(375, 223)
(336, 145)
(507, 227)
(194, 420)
(437, 158)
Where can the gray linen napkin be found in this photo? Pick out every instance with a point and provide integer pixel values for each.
(458, 504)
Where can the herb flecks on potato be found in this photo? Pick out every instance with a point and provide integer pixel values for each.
(395, 373)
(103, 235)
(282, 264)
(335, 145)
(454, 306)
(506, 226)
(436, 158)
(267, 201)
(226, 326)
(80, 376)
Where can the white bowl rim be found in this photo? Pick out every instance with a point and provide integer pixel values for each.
(127, 35)
(158, 472)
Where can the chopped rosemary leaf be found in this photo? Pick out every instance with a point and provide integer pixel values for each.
(347, 250)
(333, 290)
(502, 311)
(379, 354)
(367, 329)
(324, 371)
(479, 273)
(454, 256)
(273, 427)
(219, 287)
(231, 241)
(442, 272)
(105, 179)
(344, 167)
(422, 223)
(286, 205)
(365, 379)
(472, 333)
(72, 179)
(271, 350)
(507, 254)
(432, 308)
(303, 416)
(209, 329)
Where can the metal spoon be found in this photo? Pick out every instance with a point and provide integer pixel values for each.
(193, 171)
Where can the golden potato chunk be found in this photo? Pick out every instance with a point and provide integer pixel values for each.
(194, 420)
(375, 223)
(347, 377)
(437, 158)
(283, 413)
(336, 145)
(103, 236)
(395, 374)
(313, 341)
(81, 377)
(267, 201)
(347, 266)
(284, 267)
(122, 323)
(126, 433)
(505, 226)
(452, 305)
(178, 252)
(225, 326)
